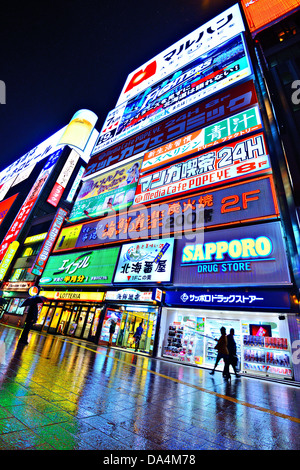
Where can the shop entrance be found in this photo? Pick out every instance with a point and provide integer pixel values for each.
(127, 319)
(79, 320)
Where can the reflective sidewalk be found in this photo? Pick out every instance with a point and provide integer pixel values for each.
(62, 394)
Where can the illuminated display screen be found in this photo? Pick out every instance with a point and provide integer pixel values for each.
(260, 13)
(200, 115)
(219, 29)
(112, 190)
(253, 255)
(229, 162)
(212, 72)
(149, 261)
(81, 269)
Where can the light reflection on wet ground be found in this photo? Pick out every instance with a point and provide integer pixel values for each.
(59, 393)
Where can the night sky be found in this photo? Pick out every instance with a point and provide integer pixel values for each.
(59, 57)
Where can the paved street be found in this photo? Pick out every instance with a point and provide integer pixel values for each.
(62, 394)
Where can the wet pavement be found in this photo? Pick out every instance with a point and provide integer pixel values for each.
(57, 393)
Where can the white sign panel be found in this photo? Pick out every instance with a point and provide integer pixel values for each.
(213, 33)
(148, 261)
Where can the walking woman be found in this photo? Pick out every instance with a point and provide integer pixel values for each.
(222, 349)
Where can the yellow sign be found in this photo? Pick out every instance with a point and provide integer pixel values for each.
(75, 296)
(8, 257)
(35, 238)
(68, 238)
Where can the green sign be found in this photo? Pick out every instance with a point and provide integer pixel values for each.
(86, 268)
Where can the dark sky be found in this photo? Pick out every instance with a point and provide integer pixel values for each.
(59, 57)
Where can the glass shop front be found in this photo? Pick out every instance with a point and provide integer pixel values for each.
(262, 339)
(79, 319)
(128, 316)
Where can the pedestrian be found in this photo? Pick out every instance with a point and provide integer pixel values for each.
(31, 318)
(232, 356)
(222, 349)
(112, 329)
(137, 335)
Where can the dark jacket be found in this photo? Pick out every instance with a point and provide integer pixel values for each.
(231, 345)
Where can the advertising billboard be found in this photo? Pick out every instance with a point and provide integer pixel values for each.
(224, 104)
(214, 32)
(44, 253)
(212, 72)
(86, 268)
(112, 190)
(251, 255)
(260, 14)
(240, 202)
(149, 261)
(230, 162)
(29, 202)
(227, 129)
(5, 206)
(63, 179)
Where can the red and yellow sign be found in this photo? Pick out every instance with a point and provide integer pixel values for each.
(75, 296)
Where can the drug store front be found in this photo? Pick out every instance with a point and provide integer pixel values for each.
(262, 334)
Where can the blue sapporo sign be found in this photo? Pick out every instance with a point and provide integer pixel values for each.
(253, 255)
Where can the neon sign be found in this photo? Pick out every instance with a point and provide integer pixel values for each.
(249, 255)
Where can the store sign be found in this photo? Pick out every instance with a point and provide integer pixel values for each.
(260, 14)
(149, 261)
(239, 202)
(74, 296)
(44, 253)
(212, 72)
(30, 159)
(234, 100)
(67, 238)
(129, 294)
(5, 206)
(29, 202)
(63, 179)
(228, 299)
(251, 255)
(8, 257)
(216, 134)
(81, 269)
(22, 286)
(111, 191)
(75, 184)
(221, 28)
(35, 238)
(227, 163)
(79, 130)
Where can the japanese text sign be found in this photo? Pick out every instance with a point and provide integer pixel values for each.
(149, 261)
(219, 29)
(233, 127)
(225, 103)
(227, 163)
(238, 202)
(81, 269)
(208, 74)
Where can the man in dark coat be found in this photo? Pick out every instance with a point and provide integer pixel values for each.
(232, 357)
(31, 318)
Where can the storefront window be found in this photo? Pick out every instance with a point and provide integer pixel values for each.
(15, 306)
(127, 319)
(263, 345)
